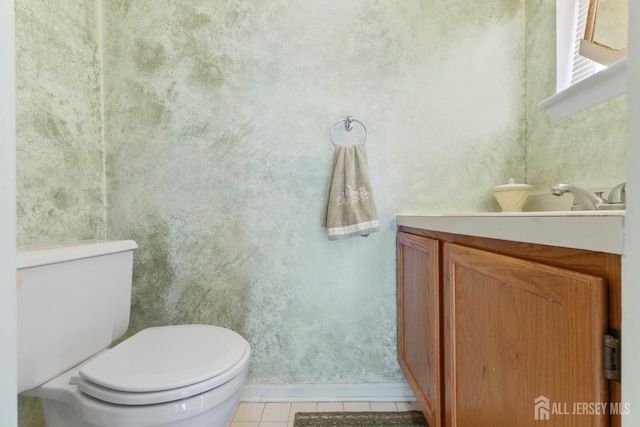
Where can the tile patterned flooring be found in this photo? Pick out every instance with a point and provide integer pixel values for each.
(282, 414)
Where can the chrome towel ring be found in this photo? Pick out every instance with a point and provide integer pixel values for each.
(348, 125)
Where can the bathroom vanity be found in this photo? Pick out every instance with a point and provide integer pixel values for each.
(503, 318)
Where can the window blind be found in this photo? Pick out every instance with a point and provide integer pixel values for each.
(582, 67)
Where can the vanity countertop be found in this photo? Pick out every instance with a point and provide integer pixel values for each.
(600, 231)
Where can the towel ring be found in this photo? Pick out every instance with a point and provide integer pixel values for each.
(348, 125)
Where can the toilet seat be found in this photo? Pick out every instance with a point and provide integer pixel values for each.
(164, 364)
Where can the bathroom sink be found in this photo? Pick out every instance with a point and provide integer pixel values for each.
(600, 231)
(542, 213)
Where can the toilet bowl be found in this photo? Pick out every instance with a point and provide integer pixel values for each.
(181, 375)
(188, 375)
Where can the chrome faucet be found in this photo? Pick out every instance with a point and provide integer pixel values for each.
(584, 200)
(618, 193)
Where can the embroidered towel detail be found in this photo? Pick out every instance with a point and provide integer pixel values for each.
(350, 209)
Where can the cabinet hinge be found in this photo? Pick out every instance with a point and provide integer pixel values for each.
(611, 357)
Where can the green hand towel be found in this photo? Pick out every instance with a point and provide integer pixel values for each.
(350, 209)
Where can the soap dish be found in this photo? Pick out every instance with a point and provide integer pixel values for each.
(512, 196)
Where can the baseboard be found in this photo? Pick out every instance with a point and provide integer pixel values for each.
(367, 392)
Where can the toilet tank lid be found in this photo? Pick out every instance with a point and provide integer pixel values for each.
(36, 256)
(167, 357)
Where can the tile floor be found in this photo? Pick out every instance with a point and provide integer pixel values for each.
(282, 414)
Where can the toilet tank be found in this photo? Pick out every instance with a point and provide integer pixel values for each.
(73, 300)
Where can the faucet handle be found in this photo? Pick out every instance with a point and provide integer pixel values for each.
(618, 194)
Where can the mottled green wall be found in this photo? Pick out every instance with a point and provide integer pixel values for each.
(612, 25)
(586, 149)
(218, 158)
(60, 174)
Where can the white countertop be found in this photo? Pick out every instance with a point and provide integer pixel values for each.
(600, 231)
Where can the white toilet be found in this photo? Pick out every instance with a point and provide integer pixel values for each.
(73, 302)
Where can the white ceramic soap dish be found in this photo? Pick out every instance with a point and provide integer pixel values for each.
(512, 196)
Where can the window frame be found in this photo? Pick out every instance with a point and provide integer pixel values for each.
(598, 87)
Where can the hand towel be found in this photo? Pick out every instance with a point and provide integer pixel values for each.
(350, 209)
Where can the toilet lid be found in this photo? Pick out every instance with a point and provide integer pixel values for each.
(105, 394)
(167, 358)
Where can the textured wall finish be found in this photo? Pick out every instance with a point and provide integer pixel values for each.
(217, 121)
(59, 122)
(59, 130)
(586, 149)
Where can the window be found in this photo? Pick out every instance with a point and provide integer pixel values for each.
(586, 83)
(571, 21)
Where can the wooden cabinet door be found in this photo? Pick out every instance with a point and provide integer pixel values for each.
(419, 327)
(522, 340)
